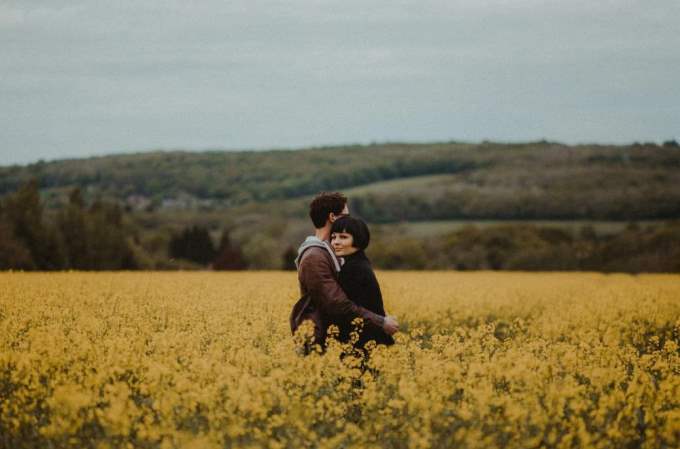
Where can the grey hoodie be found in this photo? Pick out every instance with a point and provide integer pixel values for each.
(311, 241)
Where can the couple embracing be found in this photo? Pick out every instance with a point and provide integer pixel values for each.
(337, 282)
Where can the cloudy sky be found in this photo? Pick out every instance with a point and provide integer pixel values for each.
(82, 78)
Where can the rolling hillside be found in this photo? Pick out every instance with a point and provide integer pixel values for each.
(387, 183)
(534, 206)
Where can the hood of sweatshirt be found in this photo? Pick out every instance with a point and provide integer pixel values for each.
(315, 241)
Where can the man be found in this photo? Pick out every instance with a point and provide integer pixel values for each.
(323, 300)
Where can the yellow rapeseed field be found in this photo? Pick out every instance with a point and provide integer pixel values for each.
(206, 360)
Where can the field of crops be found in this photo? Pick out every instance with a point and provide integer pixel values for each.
(206, 360)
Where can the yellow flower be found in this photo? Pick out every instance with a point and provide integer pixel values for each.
(180, 360)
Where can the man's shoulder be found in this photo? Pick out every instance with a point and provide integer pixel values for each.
(317, 252)
(314, 254)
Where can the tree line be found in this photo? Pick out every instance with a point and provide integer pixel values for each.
(635, 249)
(97, 235)
(194, 244)
(77, 237)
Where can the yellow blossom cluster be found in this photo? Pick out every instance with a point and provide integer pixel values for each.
(206, 360)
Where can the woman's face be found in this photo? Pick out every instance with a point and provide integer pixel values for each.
(343, 244)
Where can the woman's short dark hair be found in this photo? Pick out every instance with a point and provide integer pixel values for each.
(356, 227)
(323, 204)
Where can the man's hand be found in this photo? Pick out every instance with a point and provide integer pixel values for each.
(391, 326)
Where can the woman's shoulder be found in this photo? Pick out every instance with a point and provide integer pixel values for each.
(356, 265)
(357, 262)
(360, 271)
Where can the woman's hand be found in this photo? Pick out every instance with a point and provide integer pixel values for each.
(391, 325)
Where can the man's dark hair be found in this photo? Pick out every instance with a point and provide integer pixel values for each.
(323, 204)
(356, 227)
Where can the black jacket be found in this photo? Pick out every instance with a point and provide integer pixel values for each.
(361, 286)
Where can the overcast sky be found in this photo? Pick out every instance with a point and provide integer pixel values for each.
(82, 78)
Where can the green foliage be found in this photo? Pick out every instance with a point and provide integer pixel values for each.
(13, 254)
(80, 238)
(235, 178)
(94, 238)
(263, 198)
(399, 253)
(531, 248)
(444, 181)
(288, 259)
(23, 216)
(193, 244)
(72, 223)
(229, 256)
(108, 246)
(263, 252)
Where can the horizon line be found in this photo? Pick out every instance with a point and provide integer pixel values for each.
(329, 146)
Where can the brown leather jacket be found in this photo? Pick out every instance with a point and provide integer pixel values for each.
(323, 301)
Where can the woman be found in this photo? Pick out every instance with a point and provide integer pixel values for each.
(349, 239)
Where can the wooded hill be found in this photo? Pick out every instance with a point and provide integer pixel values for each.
(386, 182)
(533, 206)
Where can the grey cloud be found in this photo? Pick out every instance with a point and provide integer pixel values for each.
(92, 77)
